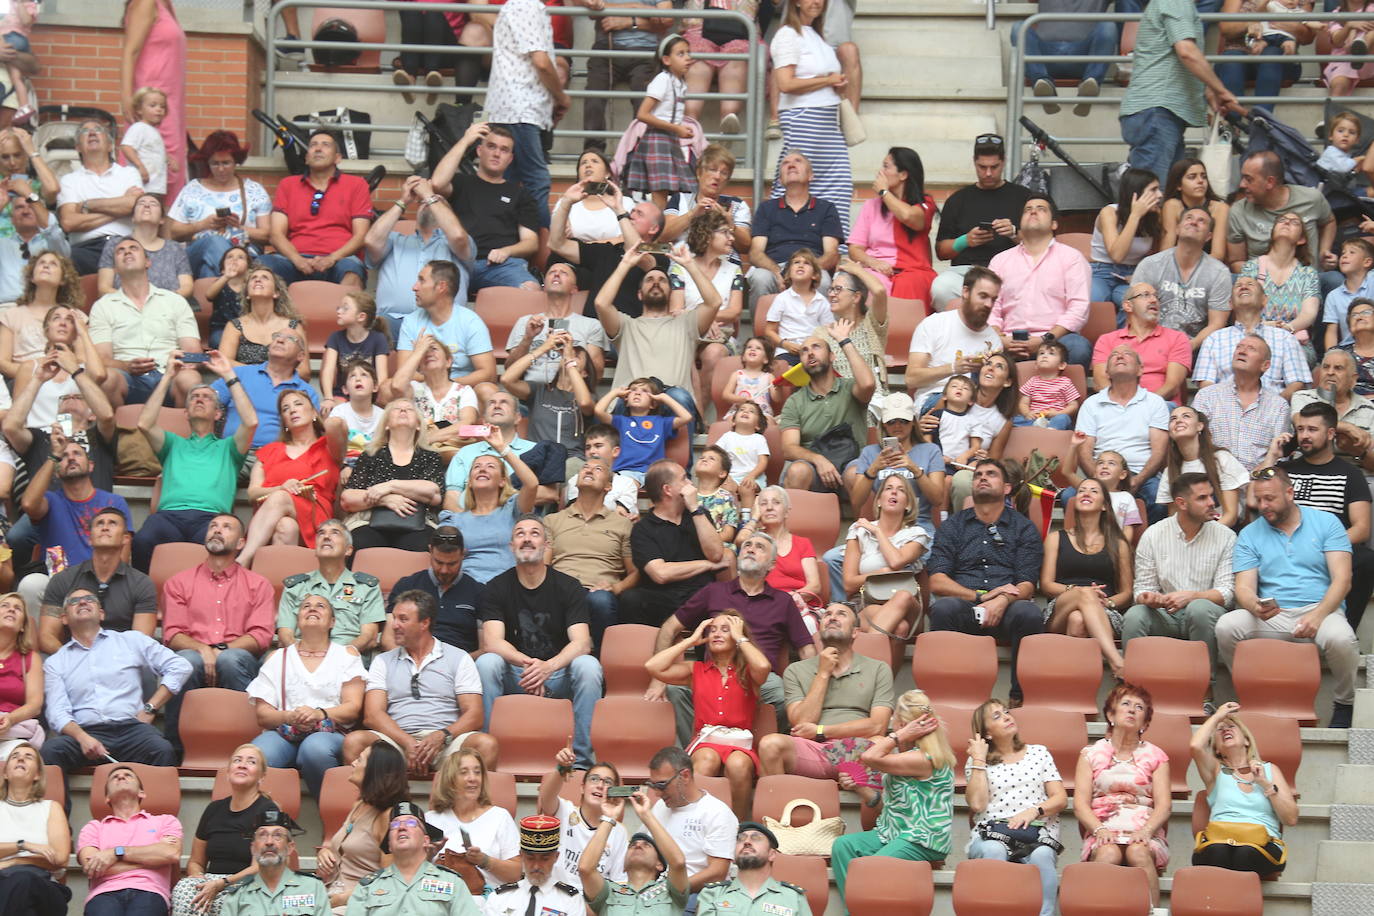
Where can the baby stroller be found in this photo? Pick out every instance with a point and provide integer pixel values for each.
(55, 135)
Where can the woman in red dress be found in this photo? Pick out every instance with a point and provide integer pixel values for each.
(725, 697)
(294, 480)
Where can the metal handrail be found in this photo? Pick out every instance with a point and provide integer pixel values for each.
(753, 120)
(1017, 97)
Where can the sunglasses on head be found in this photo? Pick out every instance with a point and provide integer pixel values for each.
(988, 140)
(1265, 473)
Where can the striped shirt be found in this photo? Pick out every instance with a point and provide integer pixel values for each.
(1287, 364)
(1330, 487)
(920, 811)
(1166, 561)
(1160, 79)
(1050, 393)
(1243, 431)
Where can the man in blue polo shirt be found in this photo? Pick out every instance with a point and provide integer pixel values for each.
(399, 256)
(1128, 419)
(1292, 573)
(441, 314)
(793, 221)
(264, 383)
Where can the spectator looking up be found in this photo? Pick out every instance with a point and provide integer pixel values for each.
(954, 342)
(35, 231)
(795, 219)
(168, 266)
(246, 339)
(1354, 413)
(529, 331)
(355, 598)
(144, 882)
(591, 543)
(397, 484)
(1189, 188)
(265, 383)
(1244, 413)
(1192, 286)
(1292, 291)
(1191, 451)
(455, 593)
(1129, 419)
(1165, 354)
(398, 256)
(97, 196)
(826, 402)
(1286, 367)
(1267, 196)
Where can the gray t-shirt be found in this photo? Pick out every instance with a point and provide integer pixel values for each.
(1183, 305)
(1252, 225)
(1069, 31)
(585, 332)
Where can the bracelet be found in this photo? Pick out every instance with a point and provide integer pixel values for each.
(846, 342)
(321, 711)
(400, 205)
(620, 216)
(977, 766)
(431, 200)
(961, 243)
(607, 819)
(79, 370)
(232, 381)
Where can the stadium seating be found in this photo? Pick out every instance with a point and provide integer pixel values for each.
(1060, 672)
(1062, 732)
(625, 647)
(282, 785)
(1278, 678)
(628, 730)
(275, 562)
(1202, 889)
(214, 721)
(1175, 671)
(530, 730)
(500, 307)
(983, 886)
(807, 872)
(815, 516)
(884, 886)
(389, 564)
(170, 558)
(337, 798)
(1099, 889)
(161, 788)
(773, 793)
(955, 667)
(316, 301)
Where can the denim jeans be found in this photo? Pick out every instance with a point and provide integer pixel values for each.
(530, 167)
(312, 756)
(1080, 351)
(1043, 859)
(1060, 421)
(510, 272)
(1155, 137)
(234, 669)
(1109, 287)
(1102, 41)
(126, 901)
(204, 253)
(602, 605)
(282, 267)
(1268, 77)
(580, 682)
(184, 526)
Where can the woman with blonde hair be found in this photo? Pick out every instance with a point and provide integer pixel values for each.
(1250, 799)
(893, 546)
(725, 695)
(220, 853)
(396, 483)
(479, 834)
(21, 677)
(444, 404)
(917, 818)
(28, 875)
(488, 508)
(50, 279)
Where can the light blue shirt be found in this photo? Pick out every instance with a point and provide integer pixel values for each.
(400, 264)
(456, 477)
(486, 539)
(1337, 304)
(465, 333)
(1124, 428)
(1292, 570)
(263, 392)
(12, 257)
(102, 684)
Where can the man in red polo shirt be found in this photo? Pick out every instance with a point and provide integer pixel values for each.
(1166, 355)
(319, 219)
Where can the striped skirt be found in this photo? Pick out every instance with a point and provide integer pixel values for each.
(815, 132)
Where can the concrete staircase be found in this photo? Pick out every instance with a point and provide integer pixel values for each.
(1342, 883)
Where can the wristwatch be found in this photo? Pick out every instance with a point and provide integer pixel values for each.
(150, 709)
(119, 852)
(219, 645)
(1048, 337)
(19, 845)
(699, 510)
(33, 197)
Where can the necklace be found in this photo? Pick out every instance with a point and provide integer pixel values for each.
(305, 653)
(1130, 755)
(22, 804)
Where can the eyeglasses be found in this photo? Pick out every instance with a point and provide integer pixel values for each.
(407, 821)
(285, 335)
(1149, 293)
(662, 786)
(599, 781)
(1265, 473)
(415, 686)
(80, 600)
(1358, 313)
(267, 833)
(988, 140)
(315, 203)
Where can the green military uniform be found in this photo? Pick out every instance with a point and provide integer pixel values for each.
(296, 895)
(657, 898)
(434, 891)
(356, 596)
(729, 898)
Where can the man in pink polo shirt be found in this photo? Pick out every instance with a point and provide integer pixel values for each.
(1166, 354)
(1045, 288)
(129, 856)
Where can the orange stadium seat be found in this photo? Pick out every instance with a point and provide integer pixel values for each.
(161, 789)
(815, 516)
(1052, 443)
(629, 730)
(773, 470)
(1279, 740)
(1175, 671)
(983, 886)
(90, 289)
(903, 317)
(1075, 373)
(761, 313)
(1063, 733)
(874, 645)
(1082, 242)
(1278, 678)
(337, 797)
(717, 786)
(530, 730)
(316, 302)
(54, 789)
(625, 647)
(884, 886)
(1173, 734)
(1101, 320)
(214, 721)
(275, 562)
(281, 784)
(725, 368)
(1099, 889)
(955, 667)
(389, 564)
(1060, 672)
(500, 307)
(958, 719)
(1203, 889)
(806, 872)
(172, 557)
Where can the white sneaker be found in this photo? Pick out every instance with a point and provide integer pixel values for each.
(1045, 89)
(1086, 90)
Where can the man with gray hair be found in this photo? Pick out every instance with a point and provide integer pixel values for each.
(1244, 415)
(1127, 418)
(1287, 369)
(355, 596)
(264, 383)
(702, 825)
(96, 197)
(793, 221)
(775, 625)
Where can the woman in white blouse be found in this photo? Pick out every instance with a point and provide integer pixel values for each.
(1011, 784)
(892, 543)
(710, 239)
(480, 833)
(444, 405)
(593, 217)
(1191, 451)
(306, 694)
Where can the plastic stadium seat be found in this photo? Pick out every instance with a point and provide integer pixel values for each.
(1099, 889)
(1202, 890)
(629, 730)
(955, 667)
(337, 796)
(172, 557)
(161, 789)
(1101, 320)
(53, 787)
(1060, 672)
(806, 872)
(370, 26)
(500, 307)
(90, 289)
(958, 719)
(815, 516)
(625, 648)
(718, 787)
(883, 886)
(200, 292)
(171, 419)
(1277, 678)
(1026, 369)
(1173, 735)
(389, 564)
(761, 314)
(316, 302)
(274, 562)
(903, 317)
(1065, 734)
(679, 448)
(765, 722)
(1081, 241)
(1050, 442)
(1279, 740)
(873, 645)
(772, 794)
(726, 367)
(773, 471)
(530, 730)
(983, 886)
(281, 784)
(1175, 671)
(214, 721)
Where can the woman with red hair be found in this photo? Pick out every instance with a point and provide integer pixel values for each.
(195, 216)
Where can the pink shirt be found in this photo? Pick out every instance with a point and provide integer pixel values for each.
(1036, 296)
(1157, 349)
(218, 608)
(143, 829)
(873, 230)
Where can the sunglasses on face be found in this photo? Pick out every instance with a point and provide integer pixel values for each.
(411, 822)
(660, 786)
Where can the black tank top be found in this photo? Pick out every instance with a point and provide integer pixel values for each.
(1074, 567)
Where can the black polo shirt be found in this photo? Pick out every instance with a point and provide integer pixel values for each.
(128, 592)
(787, 229)
(456, 623)
(653, 538)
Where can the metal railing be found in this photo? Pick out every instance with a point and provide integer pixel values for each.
(1018, 96)
(752, 118)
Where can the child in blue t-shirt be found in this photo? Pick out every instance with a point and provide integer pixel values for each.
(645, 431)
(362, 335)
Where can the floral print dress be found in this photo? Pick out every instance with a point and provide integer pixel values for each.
(1123, 796)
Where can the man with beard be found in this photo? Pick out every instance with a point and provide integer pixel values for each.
(1166, 355)
(953, 342)
(1334, 485)
(1287, 371)
(536, 633)
(753, 890)
(130, 855)
(657, 344)
(1292, 572)
(701, 824)
(560, 286)
(218, 616)
(1194, 287)
(411, 885)
(398, 256)
(536, 892)
(984, 567)
(834, 695)
(774, 623)
(63, 516)
(826, 402)
(596, 261)
(655, 869)
(275, 889)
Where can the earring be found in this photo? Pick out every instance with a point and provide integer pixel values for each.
(1111, 724)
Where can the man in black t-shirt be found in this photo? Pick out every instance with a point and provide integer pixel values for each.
(499, 215)
(536, 633)
(455, 592)
(990, 201)
(1323, 481)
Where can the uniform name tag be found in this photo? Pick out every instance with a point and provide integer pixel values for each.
(291, 900)
(434, 886)
(550, 911)
(774, 909)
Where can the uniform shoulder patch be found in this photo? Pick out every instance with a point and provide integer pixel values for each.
(239, 885)
(365, 880)
(717, 884)
(294, 579)
(445, 868)
(799, 890)
(565, 888)
(506, 887)
(363, 578)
